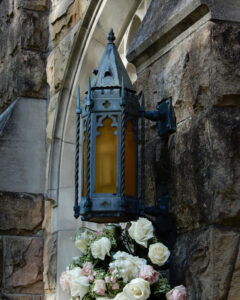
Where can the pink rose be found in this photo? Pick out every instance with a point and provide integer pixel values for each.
(65, 283)
(178, 293)
(90, 278)
(99, 287)
(107, 279)
(99, 232)
(149, 274)
(115, 286)
(87, 267)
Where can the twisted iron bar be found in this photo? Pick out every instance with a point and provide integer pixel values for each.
(123, 133)
(87, 204)
(76, 207)
(142, 202)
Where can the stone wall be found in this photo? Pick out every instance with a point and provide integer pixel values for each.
(24, 36)
(21, 251)
(24, 41)
(194, 58)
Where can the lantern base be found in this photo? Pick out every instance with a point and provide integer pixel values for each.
(108, 217)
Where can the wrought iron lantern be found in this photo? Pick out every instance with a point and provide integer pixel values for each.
(109, 160)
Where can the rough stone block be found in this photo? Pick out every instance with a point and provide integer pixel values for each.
(39, 5)
(64, 16)
(23, 265)
(208, 262)
(24, 74)
(198, 73)
(20, 213)
(205, 164)
(57, 61)
(1, 263)
(31, 32)
(22, 64)
(14, 297)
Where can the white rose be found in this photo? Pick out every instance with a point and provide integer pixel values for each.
(100, 248)
(126, 265)
(158, 254)
(79, 284)
(81, 242)
(121, 296)
(81, 245)
(141, 231)
(137, 289)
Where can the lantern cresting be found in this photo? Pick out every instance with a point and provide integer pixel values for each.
(109, 159)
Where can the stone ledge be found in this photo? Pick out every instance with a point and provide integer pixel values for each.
(24, 150)
(176, 17)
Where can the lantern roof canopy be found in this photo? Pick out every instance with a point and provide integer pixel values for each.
(111, 71)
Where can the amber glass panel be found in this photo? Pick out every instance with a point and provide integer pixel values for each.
(130, 160)
(106, 159)
(85, 164)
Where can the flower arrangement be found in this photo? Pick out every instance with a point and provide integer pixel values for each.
(119, 263)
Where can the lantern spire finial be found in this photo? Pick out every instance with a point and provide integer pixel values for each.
(111, 36)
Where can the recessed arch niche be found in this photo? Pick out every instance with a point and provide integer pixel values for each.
(88, 47)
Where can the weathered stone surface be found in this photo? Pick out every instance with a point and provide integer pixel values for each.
(23, 265)
(208, 262)
(205, 169)
(64, 16)
(57, 62)
(169, 18)
(13, 297)
(50, 263)
(24, 34)
(24, 76)
(32, 31)
(198, 73)
(39, 5)
(1, 263)
(20, 213)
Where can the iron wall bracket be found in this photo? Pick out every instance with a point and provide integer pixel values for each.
(164, 116)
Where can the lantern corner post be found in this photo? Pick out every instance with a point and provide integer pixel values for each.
(76, 207)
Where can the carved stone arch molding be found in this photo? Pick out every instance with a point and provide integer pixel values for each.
(87, 49)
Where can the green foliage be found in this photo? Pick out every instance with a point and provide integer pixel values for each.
(161, 286)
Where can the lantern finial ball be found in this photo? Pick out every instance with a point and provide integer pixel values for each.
(111, 36)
